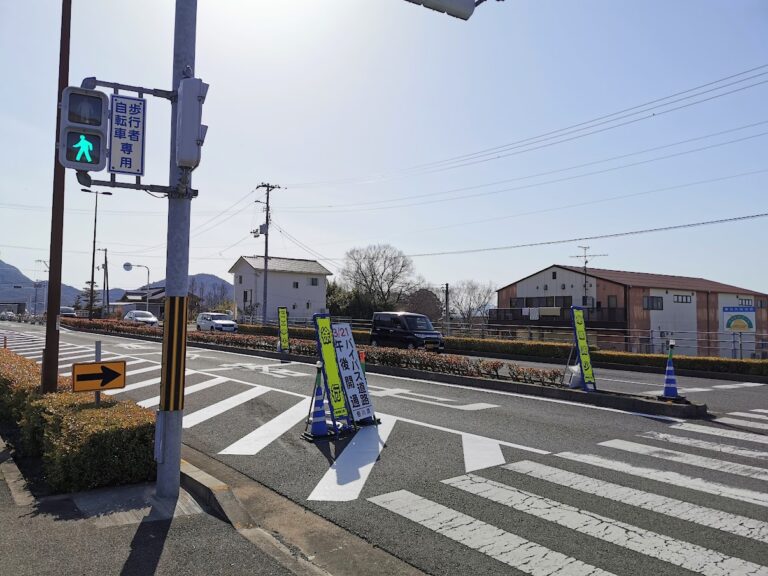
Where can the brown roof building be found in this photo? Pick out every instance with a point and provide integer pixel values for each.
(703, 316)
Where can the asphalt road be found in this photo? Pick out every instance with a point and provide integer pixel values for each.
(466, 481)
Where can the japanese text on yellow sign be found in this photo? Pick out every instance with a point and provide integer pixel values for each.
(282, 316)
(583, 346)
(332, 376)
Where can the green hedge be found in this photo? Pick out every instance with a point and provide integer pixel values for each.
(81, 446)
(511, 347)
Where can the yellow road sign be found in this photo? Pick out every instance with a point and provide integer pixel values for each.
(330, 366)
(282, 314)
(95, 376)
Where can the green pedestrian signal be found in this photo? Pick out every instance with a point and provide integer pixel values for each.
(84, 129)
(84, 148)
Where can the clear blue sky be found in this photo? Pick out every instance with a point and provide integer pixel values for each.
(349, 93)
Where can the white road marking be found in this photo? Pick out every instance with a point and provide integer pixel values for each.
(745, 423)
(722, 432)
(265, 434)
(759, 410)
(346, 477)
(660, 391)
(460, 433)
(209, 412)
(689, 459)
(717, 519)
(480, 452)
(748, 415)
(672, 478)
(678, 552)
(524, 555)
(155, 400)
(143, 370)
(63, 360)
(705, 445)
(436, 401)
(382, 391)
(739, 385)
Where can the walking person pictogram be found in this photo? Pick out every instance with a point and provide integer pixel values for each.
(85, 148)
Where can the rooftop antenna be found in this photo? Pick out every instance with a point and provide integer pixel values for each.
(586, 256)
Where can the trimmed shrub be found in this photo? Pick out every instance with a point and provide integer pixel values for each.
(86, 447)
(82, 446)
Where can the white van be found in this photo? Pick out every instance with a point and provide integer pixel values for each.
(216, 321)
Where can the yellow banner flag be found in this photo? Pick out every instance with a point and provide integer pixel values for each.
(330, 366)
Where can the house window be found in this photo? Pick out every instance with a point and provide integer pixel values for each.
(309, 305)
(762, 303)
(245, 295)
(295, 285)
(682, 299)
(746, 302)
(314, 282)
(653, 303)
(554, 275)
(294, 307)
(612, 302)
(240, 279)
(546, 287)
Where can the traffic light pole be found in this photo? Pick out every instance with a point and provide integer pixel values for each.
(171, 412)
(50, 369)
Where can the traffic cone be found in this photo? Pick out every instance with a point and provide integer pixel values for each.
(318, 427)
(670, 381)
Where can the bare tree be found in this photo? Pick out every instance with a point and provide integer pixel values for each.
(470, 298)
(381, 273)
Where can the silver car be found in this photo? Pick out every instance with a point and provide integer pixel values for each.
(141, 317)
(216, 321)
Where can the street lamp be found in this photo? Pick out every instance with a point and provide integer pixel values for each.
(128, 267)
(93, 251)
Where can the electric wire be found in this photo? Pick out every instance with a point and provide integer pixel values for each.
(585, 125)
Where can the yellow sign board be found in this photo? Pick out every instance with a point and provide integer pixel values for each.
(96, 376)
(583, 346)
(330, 366)
(282, 316)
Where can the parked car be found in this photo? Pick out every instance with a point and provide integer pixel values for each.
(405, 330)
(141, 317)
(67, 312)
(7, 315)
(216, 321)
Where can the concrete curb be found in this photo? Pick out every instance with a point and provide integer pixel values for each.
(298, 539)
(13, 478)
(605, 399)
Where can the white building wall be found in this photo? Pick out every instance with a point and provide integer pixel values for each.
(676, 321)
(567, 283)
(280, 292)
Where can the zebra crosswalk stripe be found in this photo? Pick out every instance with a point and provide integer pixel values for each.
(722, 432)
(689, 459)
(154, 401)
(745, 423)
(524, 555)
(678, 552)
(709, 517)
(672, 478)
(209, 412)
(748, 415)
(705, 445)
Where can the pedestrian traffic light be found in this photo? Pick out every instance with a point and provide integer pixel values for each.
(459, 8)
(190, 132)
(83, 130)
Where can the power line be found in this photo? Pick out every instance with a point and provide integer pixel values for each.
(554, 181)
(595, 237)
(586, 125)
(303, 246)
(535, 175)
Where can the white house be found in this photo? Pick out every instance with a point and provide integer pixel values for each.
(299, 285)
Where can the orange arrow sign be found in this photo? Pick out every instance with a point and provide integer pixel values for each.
(95, 376)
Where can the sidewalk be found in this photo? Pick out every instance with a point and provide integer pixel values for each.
(125, 531)
(118, 531)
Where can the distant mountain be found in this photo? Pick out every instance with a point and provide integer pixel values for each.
(15, 287)
(211, 289)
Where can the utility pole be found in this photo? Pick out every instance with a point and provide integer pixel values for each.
(171, 408)
(50, 369)
(104, 285)
(586, 258)
(269, 188)
(447, 313)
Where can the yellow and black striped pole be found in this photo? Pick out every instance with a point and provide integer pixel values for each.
(174, 354)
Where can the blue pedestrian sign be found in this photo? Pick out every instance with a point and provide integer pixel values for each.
(126, 150)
